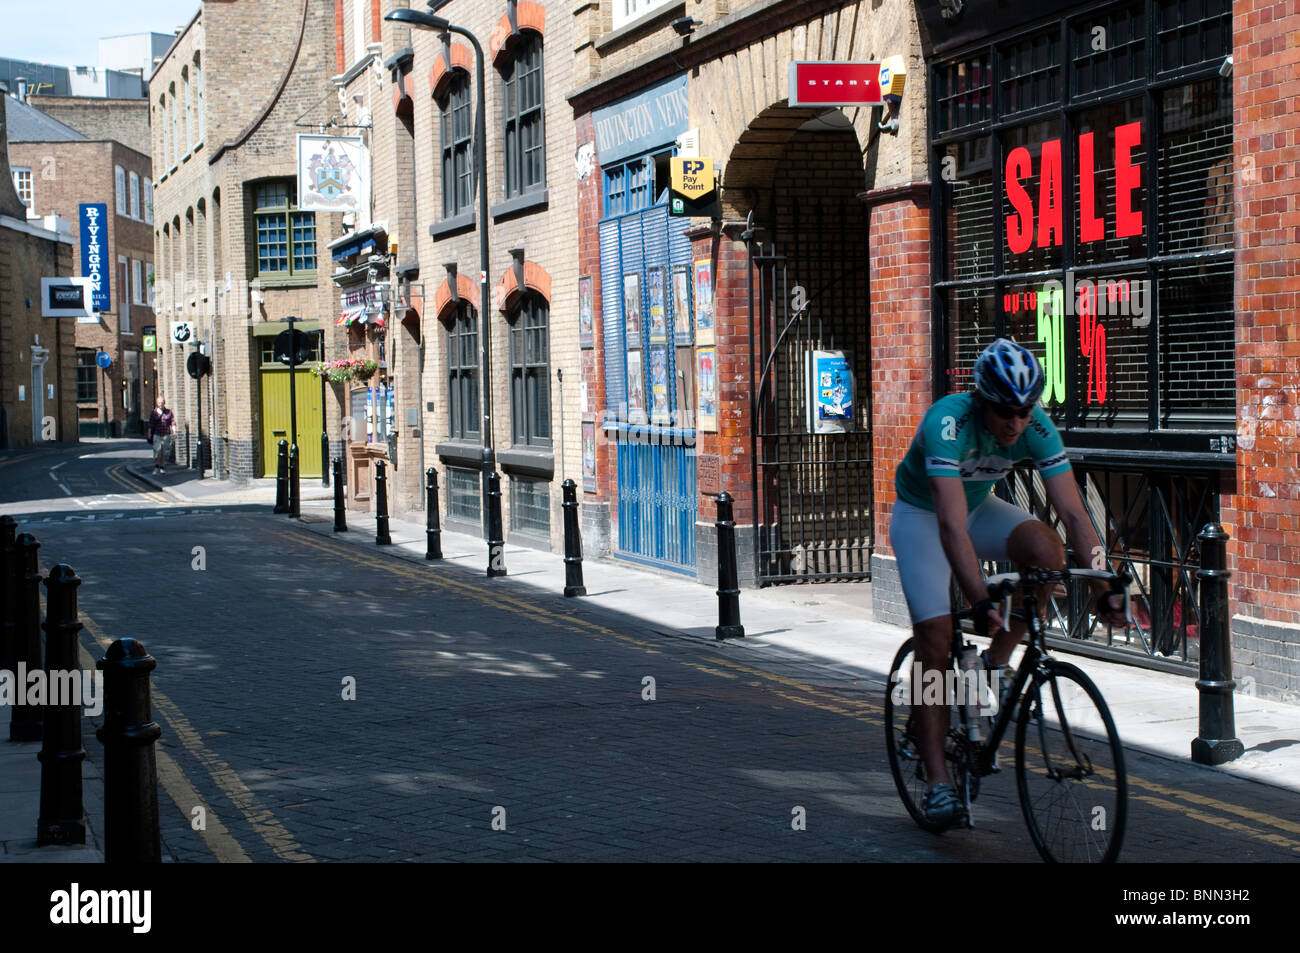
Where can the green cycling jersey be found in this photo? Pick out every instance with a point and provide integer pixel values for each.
(953, 441)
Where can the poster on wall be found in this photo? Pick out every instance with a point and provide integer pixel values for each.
(707, 389)
(660, 412)
(682, 304)
(635, 389)
(685, 387)
(632, 308)
(589, 456)
(330, 174)
(830, 398)
(704, 302)
(658, 306)
(586, 334)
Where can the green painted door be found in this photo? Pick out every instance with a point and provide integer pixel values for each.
(275, 418)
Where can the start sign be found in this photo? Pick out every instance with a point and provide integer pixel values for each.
(692, 178)
(835, 84)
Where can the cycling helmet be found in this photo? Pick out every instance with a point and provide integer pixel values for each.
(1006, 373)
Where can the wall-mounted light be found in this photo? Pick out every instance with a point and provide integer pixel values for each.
(1225, 69)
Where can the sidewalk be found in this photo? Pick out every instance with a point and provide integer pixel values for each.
(185, 485)
(823, 633)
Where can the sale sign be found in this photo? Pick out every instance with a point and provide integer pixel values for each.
(1045, 219)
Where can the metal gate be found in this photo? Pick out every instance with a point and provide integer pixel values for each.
(814, 491)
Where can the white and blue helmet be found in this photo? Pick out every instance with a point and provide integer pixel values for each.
(1006, 373)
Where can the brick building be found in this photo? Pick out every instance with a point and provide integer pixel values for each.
(102, 187)
(37, 374)
(235, 253)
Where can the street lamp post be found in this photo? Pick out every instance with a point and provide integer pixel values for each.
(427, 21)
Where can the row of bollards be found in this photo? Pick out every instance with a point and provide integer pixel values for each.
(729, 625)
(53, 714)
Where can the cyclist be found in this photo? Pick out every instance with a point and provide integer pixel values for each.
(946, 519)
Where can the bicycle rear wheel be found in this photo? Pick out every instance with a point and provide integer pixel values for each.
(904, 752)
(1070, 768)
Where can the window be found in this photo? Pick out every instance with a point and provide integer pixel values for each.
(457, 164)
(119, 181)
(286, 238)
(463, 501)
(525, 144)
(189, 110)
(266, 348)
(175, 123)
(625, 11)
(87, 376)
(148, 201)
(198, 93)
(163, 138)
(530, 370)
(635, 184)
(530, 506)
(123, 295)
(462, 374)
(149, 286)
(137, 282)
(23, 185)
(135, 196)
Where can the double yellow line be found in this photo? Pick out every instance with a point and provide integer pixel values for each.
(1271, 829)
(117, 473)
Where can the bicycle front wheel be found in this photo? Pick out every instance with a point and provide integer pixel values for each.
(1070, 768)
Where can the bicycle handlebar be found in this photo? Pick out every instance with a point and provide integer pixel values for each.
(1003, 585)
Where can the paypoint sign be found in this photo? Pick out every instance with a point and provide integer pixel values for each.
(692, 187)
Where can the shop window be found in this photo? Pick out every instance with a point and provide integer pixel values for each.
(463, 500)
(968, 219)
(636, 184)
(1195, 160)
(1108, 49)
(286, 237)
(522, 98)
(23, 185)
(1190, 32)
(462, 374)
(457, 151)
(530, 506)
(1197, 370)
(87, 376)
(1031, 72)
(1098, 240)
(964, 93)
(530, 370)
(1034, 228)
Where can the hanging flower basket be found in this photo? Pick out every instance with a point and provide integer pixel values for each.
(347, 370)
(364, 370)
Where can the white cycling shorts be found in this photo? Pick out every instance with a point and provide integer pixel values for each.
(923, 566)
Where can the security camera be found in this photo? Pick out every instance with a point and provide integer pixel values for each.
(1225, 70)
(685, 26)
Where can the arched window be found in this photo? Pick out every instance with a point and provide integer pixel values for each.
(462, 374)
(175, 123)
(522, 98)
(189, 109)
(198, 94)
(457, 152)
(530, 372)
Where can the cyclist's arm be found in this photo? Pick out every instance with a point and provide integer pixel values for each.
(950, 508)
(1063, 493)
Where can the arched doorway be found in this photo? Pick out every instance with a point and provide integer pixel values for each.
(801, 174)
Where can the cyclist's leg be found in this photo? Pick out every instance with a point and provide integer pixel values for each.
(1002, 531)
(924, 573)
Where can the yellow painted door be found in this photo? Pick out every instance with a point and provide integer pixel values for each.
(275, 419)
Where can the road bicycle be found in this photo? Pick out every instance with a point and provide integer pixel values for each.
(1069, 761)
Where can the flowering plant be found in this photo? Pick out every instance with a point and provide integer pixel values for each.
(347, 369)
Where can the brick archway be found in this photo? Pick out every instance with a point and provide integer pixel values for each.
(507, 291)
(444, 302)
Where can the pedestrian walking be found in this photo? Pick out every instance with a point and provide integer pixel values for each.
(160, 433)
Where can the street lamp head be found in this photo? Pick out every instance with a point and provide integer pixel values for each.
(415, 18)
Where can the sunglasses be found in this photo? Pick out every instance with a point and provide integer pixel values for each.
(1006, 413)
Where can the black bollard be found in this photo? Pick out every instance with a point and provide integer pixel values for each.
(1217, 741)
(130, 766)
(8, 592)
(729, 626)
(572, 542)
(282, 478)
(324, 456)
(432, 531)
(25, 724)
(381, 506)
(340, 518)
(295, 493)
(63, 818)
(496, 542)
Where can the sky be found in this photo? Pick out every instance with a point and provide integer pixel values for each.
(67, 32)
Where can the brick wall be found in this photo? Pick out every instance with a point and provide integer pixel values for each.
(1263, 518)
(123, 120)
